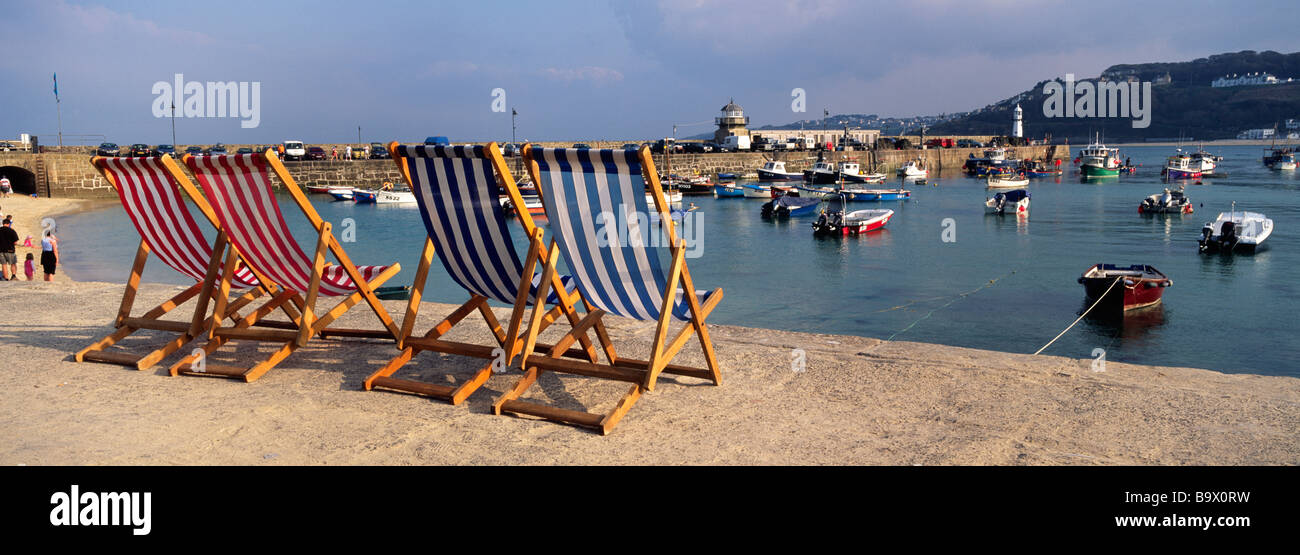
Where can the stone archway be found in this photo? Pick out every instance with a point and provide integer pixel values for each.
(22, 180)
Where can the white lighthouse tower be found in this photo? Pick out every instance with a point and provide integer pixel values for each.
(1018, 127)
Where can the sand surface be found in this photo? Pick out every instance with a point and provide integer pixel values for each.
(27, 213)
(859, 401)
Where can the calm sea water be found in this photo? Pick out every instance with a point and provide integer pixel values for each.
(1003, 284)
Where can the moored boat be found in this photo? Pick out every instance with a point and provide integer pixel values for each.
(1015, 202)
(787, 206)
(341, 193)
(364, 196)
(1168, 202)
(753, 190)
(821, 172)
(728, 190)
(394, 197)
(1095, 160)
(774, 170)
(913, 168)
(1235, 231)
(836, 222)
(319, 189)
(1007, 181)
(1116, 289)
(1180, 166)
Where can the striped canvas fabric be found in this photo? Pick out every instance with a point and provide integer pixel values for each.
(154, 203)
(240, 191)
(458, 195)
(590, 198)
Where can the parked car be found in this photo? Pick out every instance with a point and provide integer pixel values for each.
(316, 153)
(140, 149)
(436, 140)
(161, 150)
(630, 146)
(715, 147)
(581, 145)
(244, 150)
(967, 143)
(194, 150)
(217, 149)
(661, 144)
(108, 149)
(512, 149)
(294, 150)
(379, 152)
(695, 147)
(6, 147)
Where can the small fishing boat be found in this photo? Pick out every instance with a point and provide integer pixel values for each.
(1116, 289)
(1168, 202)
(774, 170)
(913, 168)
(532, 203)
(1180, 166)
(364, 196)
(1242, 231)
(394, 293)
(395, 197)
(726, 177)
(341, 193)
(753, 190)
(1040, 169)
(1015, 202)
(822, 172)
(1095, 160)
(1284, 162)
(319, 189)
(778, 190)
(850, 172)
(995, 154)
(787, 206)
(1007, 181)
(1205, 161)
(728, 190)
(874, 195)
(1275, 155)
(836, 222)
(811, 191)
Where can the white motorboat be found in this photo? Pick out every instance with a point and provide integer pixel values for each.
(753, 190)
(1234, 230)
(1168, 202)
(1013, 202)
(394, 197)
(913, 168)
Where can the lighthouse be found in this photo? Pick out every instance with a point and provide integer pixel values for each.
(1018, 126)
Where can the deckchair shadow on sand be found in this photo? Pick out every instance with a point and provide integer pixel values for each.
(148, 190)
(457, 189)
(239, 189)
(596, 203)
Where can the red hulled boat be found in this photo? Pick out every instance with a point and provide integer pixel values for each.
(1139, 286)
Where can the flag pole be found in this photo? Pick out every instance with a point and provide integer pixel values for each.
(58, 107)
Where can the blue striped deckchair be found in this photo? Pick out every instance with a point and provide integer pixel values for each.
(458, 190)
(589, 196)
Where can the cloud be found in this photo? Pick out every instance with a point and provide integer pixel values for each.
(595, 74)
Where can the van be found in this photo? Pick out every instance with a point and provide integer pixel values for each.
(294, 150)
(736, 142)
(436, 140)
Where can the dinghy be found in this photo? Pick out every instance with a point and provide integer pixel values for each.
(1168, 202)
(1004, 181)
(1014, 202)
(836, 222)
(1235, 231)
(1115, 289)
(787, 206)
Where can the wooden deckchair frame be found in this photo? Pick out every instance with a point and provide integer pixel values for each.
(641, 374)
(309, 323)
(202, 291)
(506, 350)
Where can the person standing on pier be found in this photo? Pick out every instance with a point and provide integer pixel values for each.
(349, 151)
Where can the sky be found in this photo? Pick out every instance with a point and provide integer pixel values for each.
(574, 70)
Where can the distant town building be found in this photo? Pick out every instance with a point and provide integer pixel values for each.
(1256, 134)
(732, 122)
(1293, 124)
(831, 135)
(1164, 79)
(1249, 79)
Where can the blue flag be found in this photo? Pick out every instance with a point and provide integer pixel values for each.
(56, 86)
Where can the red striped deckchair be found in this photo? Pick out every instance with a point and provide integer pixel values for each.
(239, 189)
(149, 189)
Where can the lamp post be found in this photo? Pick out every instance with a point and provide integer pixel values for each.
(173, 125)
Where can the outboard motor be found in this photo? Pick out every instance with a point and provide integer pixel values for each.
(1228, 237)
(1207, 234)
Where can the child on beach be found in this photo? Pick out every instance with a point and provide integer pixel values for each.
(29, 267)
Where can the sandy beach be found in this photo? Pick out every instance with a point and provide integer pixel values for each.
(27, 213)
(859, 401)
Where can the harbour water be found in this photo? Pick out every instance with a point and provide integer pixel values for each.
(999, 283)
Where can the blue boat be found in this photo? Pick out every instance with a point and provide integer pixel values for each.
(726, 177)
(728, 190)
(787, 206)
(362, 196)
(341, 194)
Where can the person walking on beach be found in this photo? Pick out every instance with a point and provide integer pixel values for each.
(29, 267)
(8, 260)
(49, 254)
(5, 186)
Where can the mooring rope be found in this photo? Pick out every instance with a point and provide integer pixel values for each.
(1085, 313)
(956, 298)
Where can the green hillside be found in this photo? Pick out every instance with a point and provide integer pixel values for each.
(1186, 106)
